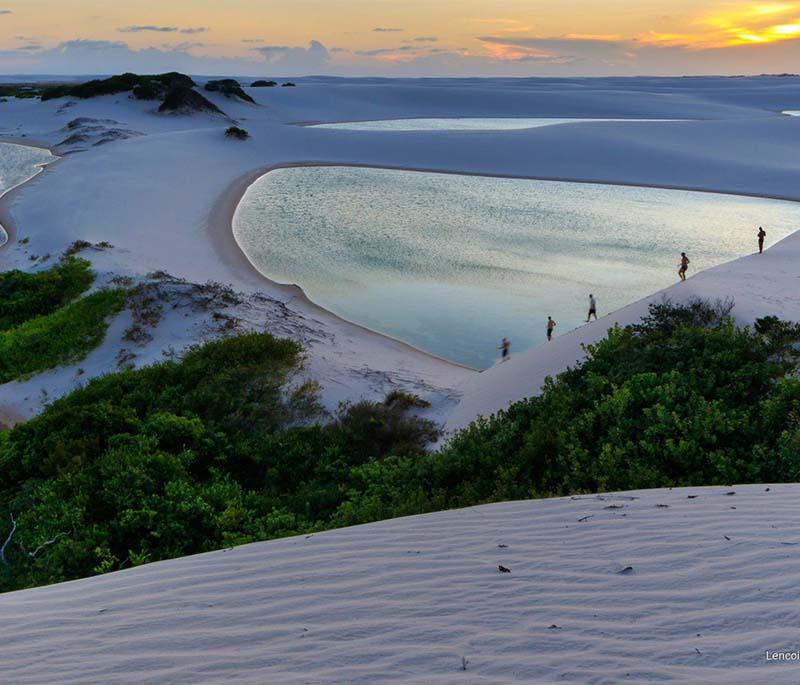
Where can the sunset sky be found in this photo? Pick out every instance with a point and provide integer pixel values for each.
(399, 37)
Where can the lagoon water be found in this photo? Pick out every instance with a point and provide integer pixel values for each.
(452, 263)
(459, 124)
(18, 163)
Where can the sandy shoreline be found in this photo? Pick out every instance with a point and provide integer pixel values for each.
(220, 231)
(8, 228)
(223, 212)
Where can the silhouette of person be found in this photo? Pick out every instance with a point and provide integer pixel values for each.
(505, 347)
(550, 326)
(684, 266)
(761, 235)
(592, 308)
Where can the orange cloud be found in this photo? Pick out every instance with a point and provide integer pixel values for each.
(739, 25)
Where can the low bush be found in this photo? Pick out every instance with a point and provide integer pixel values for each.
(147, 87)
(229, 88)
(25, 295)
(181, 457)
(214, 450)
(236, 132)
(179, 99)
(64, 335)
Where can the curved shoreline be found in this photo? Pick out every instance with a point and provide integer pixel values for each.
(223, 213)
(220, 230)
(568, 120)
(8, 227)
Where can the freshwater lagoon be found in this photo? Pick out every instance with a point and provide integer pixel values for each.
(452, 263)
(462, 123)
(19, 163)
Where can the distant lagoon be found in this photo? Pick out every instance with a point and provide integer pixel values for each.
(453, 263)
(463, 123)
(18, 163)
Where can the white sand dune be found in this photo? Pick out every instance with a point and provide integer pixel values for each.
(713, 577)
(712, 586)
(163, 193)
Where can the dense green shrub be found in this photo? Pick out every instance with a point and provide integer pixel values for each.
(214, 450)
(683, 398)
(236, 132)
(179, 98)
(23, 92)
(25, 296)
(182, 457)
(63, 336)
(146, 87)
(229, 88)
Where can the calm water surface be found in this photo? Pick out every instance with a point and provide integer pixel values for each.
(18, 163)
(461, 124)
(451, 264)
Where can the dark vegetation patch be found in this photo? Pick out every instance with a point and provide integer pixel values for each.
(174, 90)
(121, 83)
(229, 88)
(24, 296)
(182, 99)
(22, 91)
(218, 450)
(181, 457)
(62, 337)
(236, 132)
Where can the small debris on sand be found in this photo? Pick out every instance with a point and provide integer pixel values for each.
(503, 569)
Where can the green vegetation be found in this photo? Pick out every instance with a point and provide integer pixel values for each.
(148, 87)
(183, 99)
(261, 83)
(236, 132)
(63, 336)
(214, 450)
(43, 324)
(229, 88)
(175, 90)
(683, 398)
(22, 91)
(25, 296)
(179, 458)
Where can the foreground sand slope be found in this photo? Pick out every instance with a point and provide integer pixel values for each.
(711, 583)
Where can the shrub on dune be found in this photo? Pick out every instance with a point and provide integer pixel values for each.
(24, 296)
(236, 132)
(65, 335)
(222, 448)
(229, 88)
(181, 99)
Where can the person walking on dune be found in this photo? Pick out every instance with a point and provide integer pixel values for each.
(592, 308)
(761, 235)
(550, 326)
(505, 347)
(684, 266)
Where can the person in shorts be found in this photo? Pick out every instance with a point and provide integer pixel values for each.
(550, 326)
